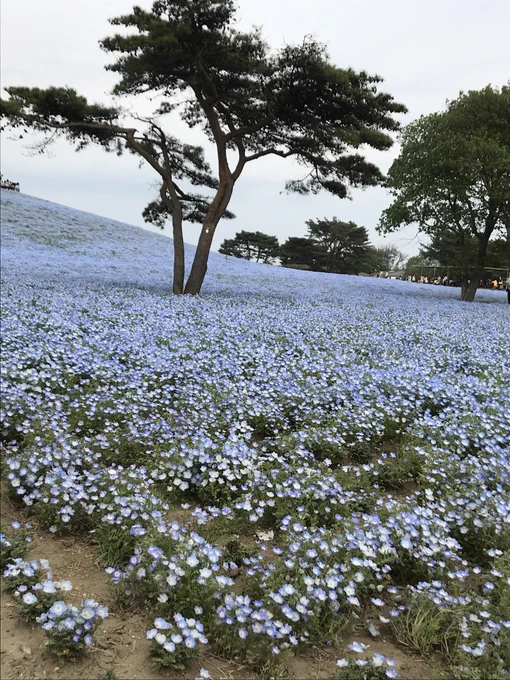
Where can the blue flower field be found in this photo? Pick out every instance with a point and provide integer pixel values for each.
(292, 464)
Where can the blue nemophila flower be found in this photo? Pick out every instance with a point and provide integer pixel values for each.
(72, 628)
(406, 543)
(57, 609)
(265, 398)
(88, 613)
(178, 642)
(49, 587)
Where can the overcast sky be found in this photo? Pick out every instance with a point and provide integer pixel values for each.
(426, 51)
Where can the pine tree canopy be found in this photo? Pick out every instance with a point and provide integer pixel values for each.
(248, 99)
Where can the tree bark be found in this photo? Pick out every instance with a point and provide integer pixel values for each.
(171, 201)
(463, 288)
(178, 279)
(214, 214)
(175, 208)
(468, 294)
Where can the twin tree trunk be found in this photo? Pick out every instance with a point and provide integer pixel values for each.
(214, 214)
(175, 209)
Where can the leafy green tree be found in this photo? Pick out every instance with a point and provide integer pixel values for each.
(332, 246)
(250, 100)
(231, 246)
(498, 253)
(412, 263)
(342, 247)
(461, 257)
(251, 245)
(453, 175)
(455, 250)
(300, 252)
(385, 259)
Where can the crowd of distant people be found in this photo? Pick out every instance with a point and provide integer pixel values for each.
(494, 283)
(436, 280)
(7, 184)
(490, 283)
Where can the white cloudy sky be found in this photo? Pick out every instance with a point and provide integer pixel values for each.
(426, 50)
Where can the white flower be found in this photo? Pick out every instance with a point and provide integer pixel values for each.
(192, 560)
(374, 631)
(378, 660)
(65, 585)
(29, 598)
(265, 535)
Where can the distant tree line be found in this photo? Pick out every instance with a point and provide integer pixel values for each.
(331, 245)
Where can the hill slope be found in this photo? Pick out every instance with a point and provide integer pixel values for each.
(54, 240)
(294, 458)
(41, 236)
